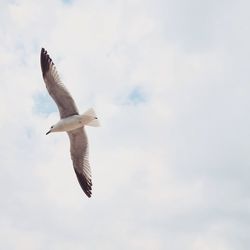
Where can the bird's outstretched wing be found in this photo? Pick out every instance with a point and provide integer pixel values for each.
(79, 156)
(55, 87)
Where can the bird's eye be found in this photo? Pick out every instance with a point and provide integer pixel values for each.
(52, 126)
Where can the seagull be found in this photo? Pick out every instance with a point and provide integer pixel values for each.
(71, 122)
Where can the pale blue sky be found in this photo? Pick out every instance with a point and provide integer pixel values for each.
(44, 104)
(67, 1)
(170, 83)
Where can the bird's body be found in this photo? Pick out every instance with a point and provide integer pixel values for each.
(70, 122)
(75, 121)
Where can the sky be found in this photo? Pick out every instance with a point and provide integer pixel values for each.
(170, 83)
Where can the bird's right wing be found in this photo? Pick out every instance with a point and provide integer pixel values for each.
(55, 87)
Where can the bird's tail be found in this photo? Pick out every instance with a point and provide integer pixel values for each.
(90, 118)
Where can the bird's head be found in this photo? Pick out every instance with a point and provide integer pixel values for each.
(52, 129)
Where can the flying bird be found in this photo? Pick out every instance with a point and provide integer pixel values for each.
(71, 122)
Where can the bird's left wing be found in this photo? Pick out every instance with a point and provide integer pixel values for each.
(79, 156)
(55, 87)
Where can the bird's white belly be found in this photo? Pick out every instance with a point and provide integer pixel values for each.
(70, 123)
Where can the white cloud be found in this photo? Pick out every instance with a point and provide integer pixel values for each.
(169, 171)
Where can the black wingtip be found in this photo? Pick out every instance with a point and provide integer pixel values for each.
(85, 184)
(45, 61)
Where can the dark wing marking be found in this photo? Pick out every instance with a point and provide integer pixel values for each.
(79, 156)
(55, 87)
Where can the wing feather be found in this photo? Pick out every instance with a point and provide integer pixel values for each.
(55, 87)
(79, 156)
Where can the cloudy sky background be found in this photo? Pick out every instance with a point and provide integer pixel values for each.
(170, 82)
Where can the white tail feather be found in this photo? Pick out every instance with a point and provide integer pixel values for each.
(90, 117)
(90, 112)
(94, 123)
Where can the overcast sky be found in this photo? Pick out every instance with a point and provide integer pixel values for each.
(170, 82)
